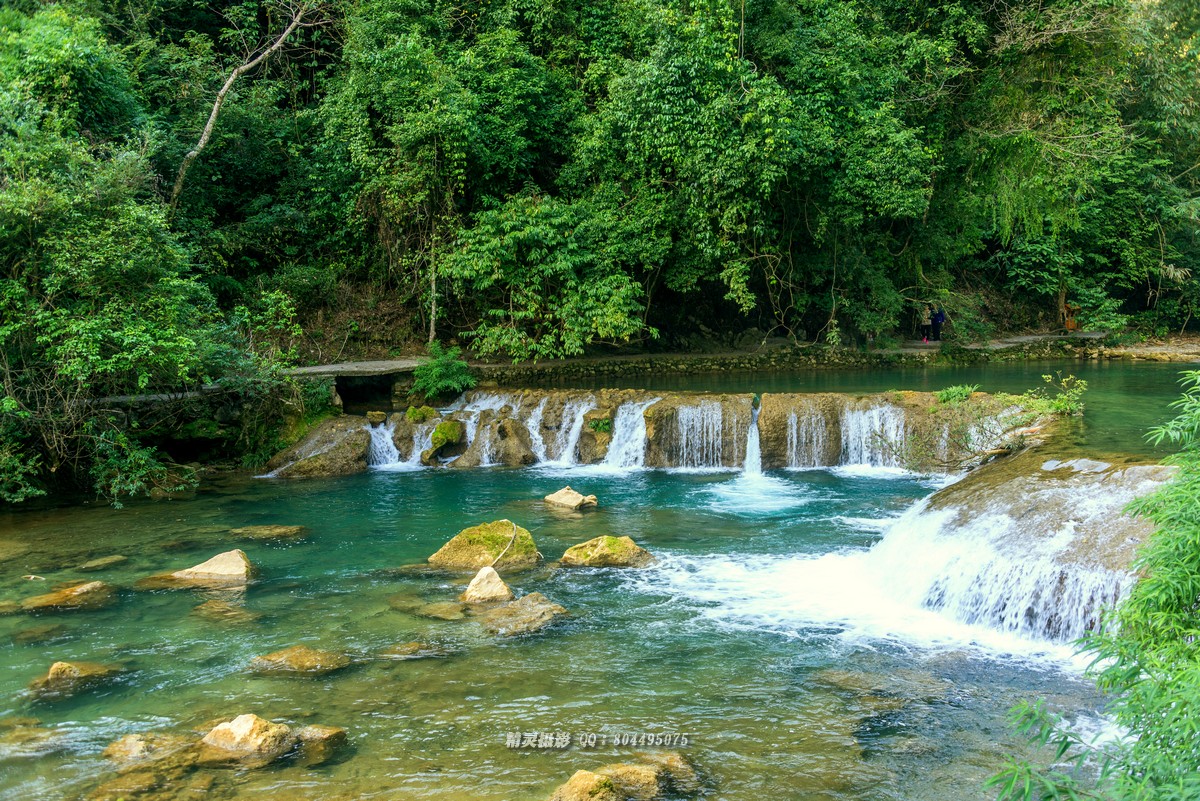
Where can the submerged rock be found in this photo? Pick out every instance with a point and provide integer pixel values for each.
(298, 659)
(70, 678)
(25, 738)
(102, 563)
(319, 744)
(501, 544)
(607, 551)
(248, 741)
(79, 597)
(570, 499)
(146, 747)
(225, 612)
(442, 610)
(35, 635)
(268, 532)
(413, 650)
(487, 587)
(531, 613)
(336, 447)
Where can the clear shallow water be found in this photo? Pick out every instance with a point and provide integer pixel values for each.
(762, 634)
(1124, 398)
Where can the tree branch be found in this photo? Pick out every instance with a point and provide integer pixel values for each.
(206, 134)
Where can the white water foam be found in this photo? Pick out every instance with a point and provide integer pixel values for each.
(628, 446)
(699, 435)
(870, 436)
(929, 582)
(382, 449)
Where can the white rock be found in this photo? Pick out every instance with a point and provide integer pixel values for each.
(571, 499)
(486, 587)
(232, 566)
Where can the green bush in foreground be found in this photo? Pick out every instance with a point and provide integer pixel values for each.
(1145, 657)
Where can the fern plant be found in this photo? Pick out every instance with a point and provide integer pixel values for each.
(446, 373)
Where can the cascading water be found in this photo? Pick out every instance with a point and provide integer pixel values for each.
(753, 463)
(536, 442)
(872, 436)
(806, 438)
(1022, 562)
(699, 442)
(566, 439)
(382, 450)
(628, 445)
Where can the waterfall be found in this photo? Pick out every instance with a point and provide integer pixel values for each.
(382, 450)
(628, 445)
(753, 463)
(806, 438)
(699, 442)
(536, 442)
(566, 439)
(1017, 561)
(873, 436)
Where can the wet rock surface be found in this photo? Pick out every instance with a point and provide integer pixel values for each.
(298, 660)
(501, 544)
(526, 615)
(607, 551)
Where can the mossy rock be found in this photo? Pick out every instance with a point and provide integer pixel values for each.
(607, 551)
(447, 432)
(420, 414)
(479, 546)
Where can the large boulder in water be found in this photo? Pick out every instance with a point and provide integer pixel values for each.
(83, 596)
(653, 776)
(501, 544)
(247, 741)
(336, 447)
(531, 613)
(607, 551)
(231, 569)
(449, 438)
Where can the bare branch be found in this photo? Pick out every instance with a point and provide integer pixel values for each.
(297, 21)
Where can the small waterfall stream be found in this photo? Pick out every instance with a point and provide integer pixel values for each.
(871, 436)
(628, 446)
(382, 450)
(700, 434)
(753, 463)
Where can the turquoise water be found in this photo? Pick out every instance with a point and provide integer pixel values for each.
(1123, 400)
(779, 701)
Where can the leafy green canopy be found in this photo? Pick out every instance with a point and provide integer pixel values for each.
(98, 296)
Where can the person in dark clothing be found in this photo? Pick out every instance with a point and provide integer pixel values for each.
(939, 317)
(926, 321)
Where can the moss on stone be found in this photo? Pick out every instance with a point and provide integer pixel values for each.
(447, 432)
(479, 546)
(607, 551)
(420, 414)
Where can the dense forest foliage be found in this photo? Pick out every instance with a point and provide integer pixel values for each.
(192, 191)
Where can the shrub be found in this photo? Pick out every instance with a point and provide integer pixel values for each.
(444, 374)
(602, 425)
(956, 394)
